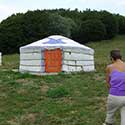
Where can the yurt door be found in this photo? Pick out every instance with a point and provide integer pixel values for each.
(53, 60)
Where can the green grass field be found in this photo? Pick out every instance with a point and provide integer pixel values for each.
(64, 99)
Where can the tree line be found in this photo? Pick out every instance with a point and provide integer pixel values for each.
(83, 26)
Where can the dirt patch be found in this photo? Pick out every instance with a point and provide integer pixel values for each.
(31, 118)
(24, 81)
(67, 100)
(22, 91)
(44, 88)
(12, 122)
(28, 118)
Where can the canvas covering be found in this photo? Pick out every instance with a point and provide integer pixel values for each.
(75, 57)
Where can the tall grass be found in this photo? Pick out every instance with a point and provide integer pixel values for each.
(103, 48)
(10, 61)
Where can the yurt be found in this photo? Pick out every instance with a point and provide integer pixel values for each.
(56, 54)
(0, 58)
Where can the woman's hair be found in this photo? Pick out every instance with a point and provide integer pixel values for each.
(115, 54)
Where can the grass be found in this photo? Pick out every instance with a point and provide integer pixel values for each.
(73, 99)
(103, 48)
(10, 61)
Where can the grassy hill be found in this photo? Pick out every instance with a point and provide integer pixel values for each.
(73, 99)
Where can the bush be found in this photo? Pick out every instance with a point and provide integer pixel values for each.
(92, 30)
(22, 29)
(121, 22)
(111, 24)
(59, 25)
(57, 92)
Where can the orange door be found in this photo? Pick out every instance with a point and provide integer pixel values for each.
(53, 60)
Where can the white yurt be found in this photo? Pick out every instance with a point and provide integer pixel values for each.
(0, 58)
(56, 54)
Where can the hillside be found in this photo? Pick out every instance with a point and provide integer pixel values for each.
(72, 99)
(103, 48)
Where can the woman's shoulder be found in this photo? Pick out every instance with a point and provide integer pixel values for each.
(112, 67)
(109, 68)
(124, 63)
(116, 66)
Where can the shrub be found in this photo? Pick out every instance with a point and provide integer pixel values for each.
(111, 24)
(92, 30)
(59, 25)
(121, 22)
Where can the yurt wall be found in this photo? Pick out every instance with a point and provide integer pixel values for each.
(31, 60)
(77, 60)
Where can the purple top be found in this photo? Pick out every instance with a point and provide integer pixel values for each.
(117, 82)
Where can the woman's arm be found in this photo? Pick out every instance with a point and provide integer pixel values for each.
(107, 76)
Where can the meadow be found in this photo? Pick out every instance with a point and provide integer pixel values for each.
(63, 99)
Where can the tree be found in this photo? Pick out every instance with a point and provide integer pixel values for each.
(110, 23)
(92, 30)
(121, 23)
(59, 25)
(21, 29)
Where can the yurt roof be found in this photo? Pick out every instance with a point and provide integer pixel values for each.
(56, 41)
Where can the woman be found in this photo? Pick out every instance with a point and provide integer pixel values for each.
(115, 78)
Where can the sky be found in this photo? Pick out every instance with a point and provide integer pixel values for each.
(9, 7)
